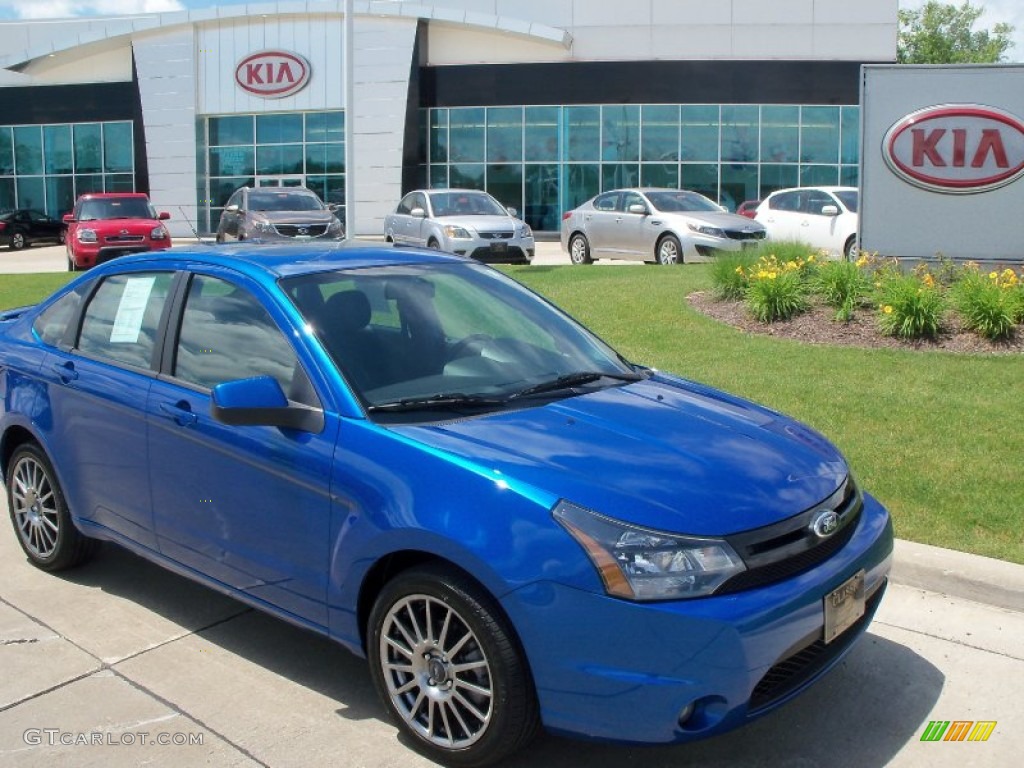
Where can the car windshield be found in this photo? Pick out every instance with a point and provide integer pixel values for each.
(116, 208)
(465, 204)
(848, 198)
(416, 338)
(291, 201)
(681, 201)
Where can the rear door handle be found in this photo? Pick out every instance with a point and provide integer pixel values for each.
(66, 371)
(180, 412)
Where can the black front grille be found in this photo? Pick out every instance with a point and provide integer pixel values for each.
(124, 238)
(735, 234)
(496, 235)
(793, 671)
(301, 230)
(780, 551)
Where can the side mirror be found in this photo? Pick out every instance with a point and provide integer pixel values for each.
(638, 208)
(68, 218)
(260, 401)
(231, 209)
(163, 216)
(830, 210)
(512, 211)
(418, 212)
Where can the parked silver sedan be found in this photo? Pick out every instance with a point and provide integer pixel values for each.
(468, 222)
(667, 226)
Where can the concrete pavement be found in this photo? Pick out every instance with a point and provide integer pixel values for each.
(120, 663)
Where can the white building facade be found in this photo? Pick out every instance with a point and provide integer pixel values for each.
(541, 102)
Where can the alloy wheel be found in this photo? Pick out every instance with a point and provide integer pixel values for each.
(34, 507)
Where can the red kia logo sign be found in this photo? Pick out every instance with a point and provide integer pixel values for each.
(956, 148)
(272, 74)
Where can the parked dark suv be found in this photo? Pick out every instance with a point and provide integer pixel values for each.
(105, 225)
(280, 214)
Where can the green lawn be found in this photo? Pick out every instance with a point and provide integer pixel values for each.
(937, 437)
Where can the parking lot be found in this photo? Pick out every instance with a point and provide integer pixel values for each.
(122, 663)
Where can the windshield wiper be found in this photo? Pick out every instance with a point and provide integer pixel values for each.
(446, 400)
(575, 379)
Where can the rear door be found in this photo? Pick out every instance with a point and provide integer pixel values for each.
(602, 225)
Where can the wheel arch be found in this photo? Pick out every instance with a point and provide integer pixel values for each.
(12, 439)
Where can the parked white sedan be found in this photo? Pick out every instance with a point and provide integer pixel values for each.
(467, 222)
(667, 226)
(822, 217)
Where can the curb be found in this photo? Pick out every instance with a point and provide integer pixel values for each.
(971, 577)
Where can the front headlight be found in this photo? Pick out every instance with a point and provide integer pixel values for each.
(703, 229)
(526, 231)
(262, 225)
(87, 236)
(641, 564)
(457, 233)
(159, 233)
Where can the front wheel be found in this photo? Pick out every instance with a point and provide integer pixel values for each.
(447, 665)
(40, 514)
(669, 251)
(18, 241)
(852, 249)
(579, 249)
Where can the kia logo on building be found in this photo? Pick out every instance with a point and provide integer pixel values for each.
(272, 74)
(956, 148)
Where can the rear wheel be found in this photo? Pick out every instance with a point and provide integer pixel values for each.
(579, 249)
(18, 241)
(40, 514)
(851, 250)
(669, 251)
(447, 665)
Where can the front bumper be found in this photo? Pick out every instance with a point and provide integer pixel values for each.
(494, 250)
(624, 671)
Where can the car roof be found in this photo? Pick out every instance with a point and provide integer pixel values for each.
(824, 187)
(101, 195)
(285, 260)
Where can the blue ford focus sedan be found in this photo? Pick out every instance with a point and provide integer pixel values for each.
(416, 456)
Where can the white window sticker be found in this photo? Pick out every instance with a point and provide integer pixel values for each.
(131, 310)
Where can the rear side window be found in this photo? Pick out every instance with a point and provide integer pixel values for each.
(786, 201)
(52, 323)
(122, 319)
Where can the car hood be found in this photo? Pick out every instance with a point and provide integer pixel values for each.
(661, 453)
(723, 220)
(295, 217)
(480, 223)
(121, 226)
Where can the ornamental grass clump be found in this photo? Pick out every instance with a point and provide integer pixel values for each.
(729, 275)
(843, 285)
(910, 306)
(991, 305)
(777, 290)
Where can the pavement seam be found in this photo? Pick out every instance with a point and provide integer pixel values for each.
(918, 632)
(104, 666)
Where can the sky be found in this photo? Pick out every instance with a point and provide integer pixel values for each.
(1010, 11)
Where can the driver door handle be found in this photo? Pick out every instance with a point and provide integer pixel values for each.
(180, 412)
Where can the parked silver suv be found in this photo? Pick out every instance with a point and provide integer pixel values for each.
(463, 221)
(277, 214)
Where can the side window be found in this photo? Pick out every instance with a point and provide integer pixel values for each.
(787, 201)
(122, 318)
(52, 323)
(405, 206)
(606, 202)
(235, 199)
(632, 198)
(226, 334)
(815, 200)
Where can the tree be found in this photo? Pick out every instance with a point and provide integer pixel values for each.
(941, 33)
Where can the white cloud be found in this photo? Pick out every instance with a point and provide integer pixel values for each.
(996, 11)
(64, 9)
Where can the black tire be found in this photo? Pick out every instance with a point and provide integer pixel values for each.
(62, 238)
(72, 266)
(579, 249)
(40, 515)
(18, 241)
(668, 251)
(469, 717)
(851, 250)
(432, 243)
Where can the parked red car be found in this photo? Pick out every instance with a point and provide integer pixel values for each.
(748, 208)
(105, 225)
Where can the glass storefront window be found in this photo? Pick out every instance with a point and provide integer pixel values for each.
(505, 135)
(8, 200)
(582, 133)
(468, 175)
(659, 133)
(849, 153)
(540, 207)
(232, 161)
(700, 177)
(119, 182)
(620, 133)
(57, 149)
(740, 135)
(279, 129)
(616, 175)
(439, 135)
(279, 160)
(659, 175)
(819, 135)
(88, 148)
(28, 150)
(849, 176)
(780, 134)
(325, 126)
(505, 183)
(118, 153)
(582, 182)
(60, 195)
(228, 131)
(31, 192)
(466, 133)
(6, 152)
(541, 134)
(699, 128)
(738, 183)
(778, 177)
(819, 175)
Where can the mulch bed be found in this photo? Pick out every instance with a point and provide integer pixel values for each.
(818, 326)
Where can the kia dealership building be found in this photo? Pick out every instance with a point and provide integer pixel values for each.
(543, 103)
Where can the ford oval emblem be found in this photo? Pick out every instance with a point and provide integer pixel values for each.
(956, 148)
(272, 74)
(825, 523)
